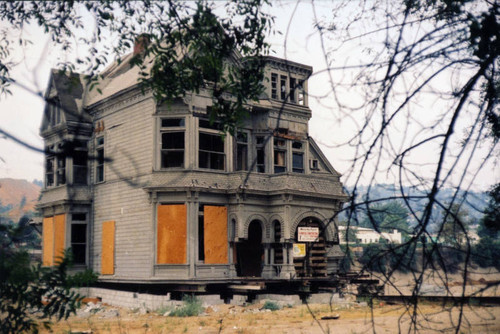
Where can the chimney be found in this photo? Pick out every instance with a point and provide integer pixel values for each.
(141, 43)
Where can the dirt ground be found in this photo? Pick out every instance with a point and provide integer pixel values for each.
(297, 319)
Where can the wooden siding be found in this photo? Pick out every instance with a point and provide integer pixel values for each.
(129, 145)
(108, 248)
(172, 228)
(215, 228)
(48, 241)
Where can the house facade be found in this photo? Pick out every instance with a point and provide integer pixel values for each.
(143, 191)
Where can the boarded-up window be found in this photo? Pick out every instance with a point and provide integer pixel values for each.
(53, 239)
(108, 248)
(215, 234)
(171, 242)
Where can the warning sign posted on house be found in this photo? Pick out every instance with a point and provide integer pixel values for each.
(299, 250)
(308, 234)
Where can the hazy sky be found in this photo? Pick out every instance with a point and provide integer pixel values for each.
(20, 113)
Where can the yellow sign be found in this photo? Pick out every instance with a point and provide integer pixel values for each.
(299, 250)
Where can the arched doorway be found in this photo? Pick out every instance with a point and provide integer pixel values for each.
(313, 264)
(250, 252)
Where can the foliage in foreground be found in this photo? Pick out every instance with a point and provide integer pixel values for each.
(29, 293)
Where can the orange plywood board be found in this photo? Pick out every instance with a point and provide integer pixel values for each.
(215, 224)
(171, 242)
(108, 248)
(59, 237)
(48, 241)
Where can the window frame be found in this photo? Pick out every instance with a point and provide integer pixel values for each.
(85, 243)
(171, 129)
(80, 149)
(100, 143)
(260, 146)
(241, 156)
(277, 151)
(296, 151)
(210, 130)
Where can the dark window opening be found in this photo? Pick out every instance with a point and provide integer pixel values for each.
(206, 124)
(201, 234)
(79, 216)
(211, 151)
(79, 243)
(100, 160)
(261, 167)
(80, 159)
(49, 172)
(172, 122)
(292, 89)
(172, 149)
(298, 162)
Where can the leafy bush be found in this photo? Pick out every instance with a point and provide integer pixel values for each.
(32, 293)
(270, 305)
(191, 308)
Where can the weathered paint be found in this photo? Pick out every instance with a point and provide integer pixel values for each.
(171, 242)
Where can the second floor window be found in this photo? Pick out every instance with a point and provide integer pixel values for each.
(260, 152)
(99, 171)
(297, 157)
(211, 152)
(172, 142)
(80, 160)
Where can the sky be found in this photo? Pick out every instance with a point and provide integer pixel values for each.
(21, 112)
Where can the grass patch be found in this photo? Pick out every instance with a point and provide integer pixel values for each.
(191, 308)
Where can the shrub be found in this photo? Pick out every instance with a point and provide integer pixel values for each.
(191, 308)
(270, 305)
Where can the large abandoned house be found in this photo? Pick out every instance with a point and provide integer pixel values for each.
(145, 192)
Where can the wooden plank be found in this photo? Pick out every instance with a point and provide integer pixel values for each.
(108, 248)
(215, 225)
(171, 234)
(59, 237)
(48, 241)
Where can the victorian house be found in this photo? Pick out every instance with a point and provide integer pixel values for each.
(149, 192)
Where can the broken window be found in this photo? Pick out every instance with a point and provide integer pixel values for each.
(274, 86)
(260, 150)
(172, 142)
(99, 171)
(79, 238)
(297, 157)
(301, 93)
(211, 146)
(49, 171)
(241, 151)
(279, 155)
(283, 91)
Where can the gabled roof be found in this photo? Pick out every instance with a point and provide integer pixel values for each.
(323, 158)
(68, 90)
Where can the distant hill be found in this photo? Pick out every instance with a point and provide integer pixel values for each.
(17, 198)
(474, 203)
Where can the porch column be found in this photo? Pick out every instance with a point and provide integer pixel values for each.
(267, 270)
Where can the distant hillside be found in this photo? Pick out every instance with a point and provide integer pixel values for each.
(475, 202)
(17, 197)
